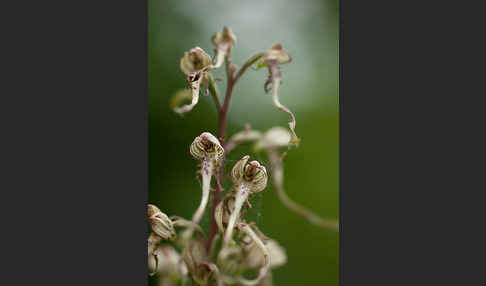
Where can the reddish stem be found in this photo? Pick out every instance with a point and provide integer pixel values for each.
(223, 112)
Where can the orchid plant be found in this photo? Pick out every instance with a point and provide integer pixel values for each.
(234, 251)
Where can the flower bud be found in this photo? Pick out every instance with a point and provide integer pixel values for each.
(205, 146)
(224, 39)
(250, 173)
(194, 61)
(276, 54)
(275, 137)
(161, 223)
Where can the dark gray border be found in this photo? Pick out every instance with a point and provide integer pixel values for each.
(75, 143)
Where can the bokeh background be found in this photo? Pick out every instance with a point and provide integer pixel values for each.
(309, 31)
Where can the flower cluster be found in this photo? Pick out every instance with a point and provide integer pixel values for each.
(179, 250)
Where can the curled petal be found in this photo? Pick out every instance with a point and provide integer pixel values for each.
(195, 84)
(266, 257)
(257, 175)
(179, 98)
(273, 58)
(239, 169)
(251, 173)
(294, 140)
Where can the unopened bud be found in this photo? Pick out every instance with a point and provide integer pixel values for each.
(161, 223)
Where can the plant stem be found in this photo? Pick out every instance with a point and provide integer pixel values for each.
(223, 112)
(214, 92)
(248, 64)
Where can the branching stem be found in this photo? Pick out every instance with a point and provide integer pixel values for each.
(223, 112)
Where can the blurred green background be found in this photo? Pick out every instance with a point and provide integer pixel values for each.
(309, 31)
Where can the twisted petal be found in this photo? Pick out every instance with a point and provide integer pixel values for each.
(275, 86)
(195, 84)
